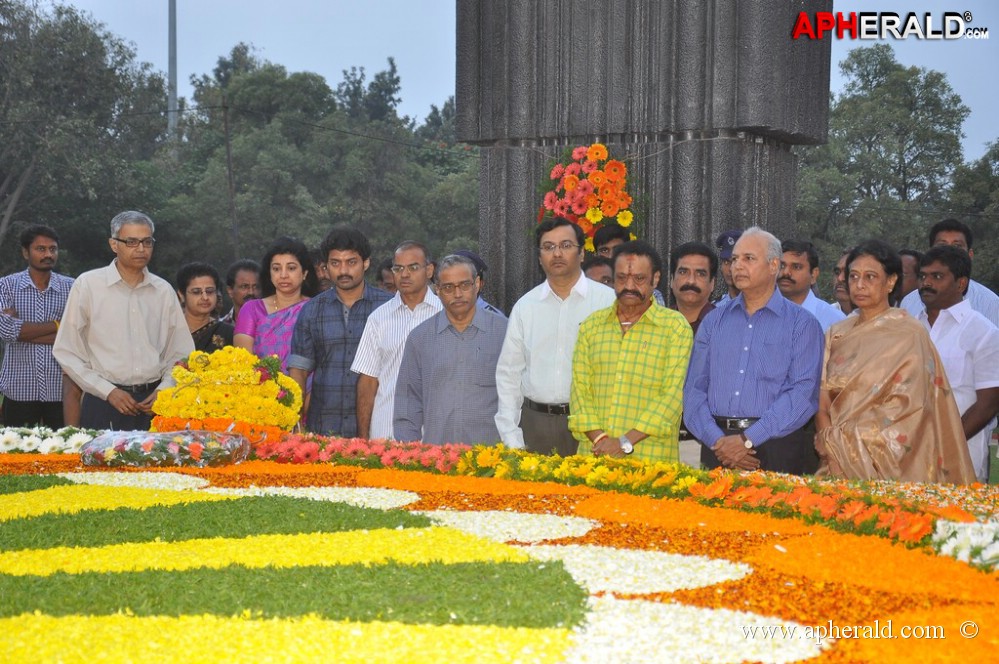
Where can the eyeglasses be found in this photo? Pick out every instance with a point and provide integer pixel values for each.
(413, 267)
(132, 242)
(198, 292)
(550, 247)
(463, 286)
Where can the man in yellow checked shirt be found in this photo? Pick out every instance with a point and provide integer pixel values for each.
(629, 366)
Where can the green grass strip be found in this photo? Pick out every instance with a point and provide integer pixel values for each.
(22, 483)
(255, 515)
(504, 594)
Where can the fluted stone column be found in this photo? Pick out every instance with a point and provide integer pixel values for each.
(702, 99)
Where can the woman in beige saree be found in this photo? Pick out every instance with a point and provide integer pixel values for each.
(885, 407)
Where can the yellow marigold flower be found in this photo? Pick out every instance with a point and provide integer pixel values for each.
(588, 245)
(683, 484)
(488, 457)
(593, 215)
(624, 218)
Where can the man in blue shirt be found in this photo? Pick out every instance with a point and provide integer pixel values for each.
(446, 390)
(753, 382)
(328, 330)
(33, 302)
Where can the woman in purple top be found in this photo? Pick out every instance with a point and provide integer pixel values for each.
(287, 281)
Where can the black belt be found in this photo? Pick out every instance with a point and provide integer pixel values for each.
(736, 423)
(550, 408)
(137, 389)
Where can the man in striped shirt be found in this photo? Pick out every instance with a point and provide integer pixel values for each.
(628, 367)
(753, 382)
(33, 302)
(379, 352)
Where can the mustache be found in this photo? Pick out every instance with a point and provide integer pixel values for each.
(690, 287)
(927, 289)
(629, 292)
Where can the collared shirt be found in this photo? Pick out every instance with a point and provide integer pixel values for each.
(324, 343)
(29, 372)
(446, 392)
(114, 334)
(631, 381)
(767, 365)
(536, 360)
(230, 317)
(983, 300)
(824, 312)
(705, 310)
(379, 353)
(969, 349)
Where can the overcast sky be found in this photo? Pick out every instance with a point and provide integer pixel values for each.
(329, 36)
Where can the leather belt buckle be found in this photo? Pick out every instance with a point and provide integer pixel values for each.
(548, 408)
(736, 423)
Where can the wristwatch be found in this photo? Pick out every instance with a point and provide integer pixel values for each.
(746, 441)
(626, 445)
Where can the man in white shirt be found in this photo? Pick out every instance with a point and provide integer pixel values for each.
(957, 234)
(122, 331)
(534, 371)
(968, 345)
(799, 272)
(379, 352)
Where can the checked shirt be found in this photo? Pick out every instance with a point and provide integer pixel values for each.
(631, 381)
(29, 371)
(324, 342)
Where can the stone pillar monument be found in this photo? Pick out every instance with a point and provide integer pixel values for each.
(702, 99)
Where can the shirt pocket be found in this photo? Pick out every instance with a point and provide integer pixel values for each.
(956, 367)
(772, 361)
(484, 373)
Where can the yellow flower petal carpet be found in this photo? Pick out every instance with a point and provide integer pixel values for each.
(325, 562)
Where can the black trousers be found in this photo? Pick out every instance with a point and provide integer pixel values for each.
(32, 413)
(793, 453)
(96, 413)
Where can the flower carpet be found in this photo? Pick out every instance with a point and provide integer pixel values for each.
(345, 556)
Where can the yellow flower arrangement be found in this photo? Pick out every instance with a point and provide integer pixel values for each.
(230, 389)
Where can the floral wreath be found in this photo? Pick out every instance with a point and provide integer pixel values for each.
(230, 390)
(588, 189)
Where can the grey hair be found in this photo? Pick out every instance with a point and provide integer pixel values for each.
(452, 260)
(130, 217)
(774, 251)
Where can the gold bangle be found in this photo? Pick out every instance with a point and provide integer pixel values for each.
(602, 435)
(57, 325)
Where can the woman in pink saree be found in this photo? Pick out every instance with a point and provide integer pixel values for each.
(886, 410)
(287, 281)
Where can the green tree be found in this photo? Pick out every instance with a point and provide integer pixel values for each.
(894, 144)
(78, 119)
(974, 198)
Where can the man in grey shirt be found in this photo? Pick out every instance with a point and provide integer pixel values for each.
(446, 391)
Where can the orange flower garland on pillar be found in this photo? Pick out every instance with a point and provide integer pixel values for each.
(588, 190)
